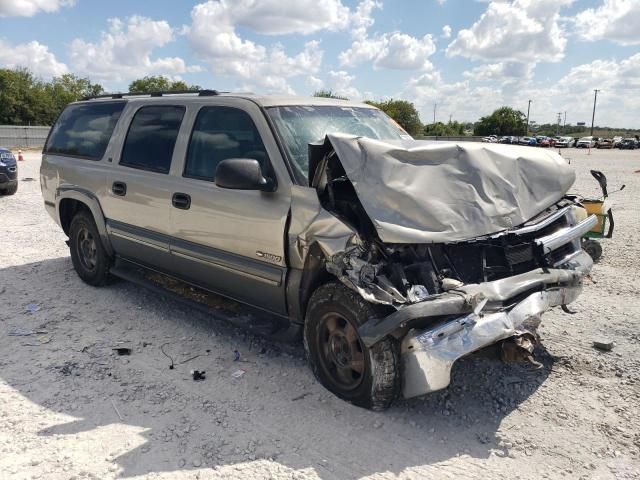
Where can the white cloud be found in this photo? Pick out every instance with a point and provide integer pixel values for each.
(213, 36)
(273, 17)
(615, 20)
(28, 8)
(522, 30)
(446, 32)
(314, 83)
(394, 50)
(618, 100)
(124, 51)
(34, 56)
(501, 72)
(339, 82)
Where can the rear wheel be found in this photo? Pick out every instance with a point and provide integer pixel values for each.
(367, 377)
(88, 256)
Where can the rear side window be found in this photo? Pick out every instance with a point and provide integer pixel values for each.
(220, 133)
(152, 137)
(84, 130)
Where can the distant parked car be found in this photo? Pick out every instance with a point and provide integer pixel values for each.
(8, 172)
(628, 144)
(509, 140)
(616, 141)
(586, 142)
(605, 143)
(565, 142)
(544, 141)
(490, 139)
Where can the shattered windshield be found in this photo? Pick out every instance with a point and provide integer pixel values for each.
(300, 125)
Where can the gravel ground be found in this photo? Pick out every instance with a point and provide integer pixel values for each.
(70, 408)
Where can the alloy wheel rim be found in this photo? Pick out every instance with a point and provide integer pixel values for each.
(341, 352)
(87, 249)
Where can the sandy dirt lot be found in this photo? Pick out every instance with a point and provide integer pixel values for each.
(70, 408)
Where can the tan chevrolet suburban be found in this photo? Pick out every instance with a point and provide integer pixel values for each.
(392, 257)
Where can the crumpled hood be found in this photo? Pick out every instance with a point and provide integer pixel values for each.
(434, 192)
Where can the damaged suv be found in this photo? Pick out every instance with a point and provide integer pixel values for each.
(392, 257)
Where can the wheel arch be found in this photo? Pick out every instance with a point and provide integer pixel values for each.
(69, 201)
(302, 283)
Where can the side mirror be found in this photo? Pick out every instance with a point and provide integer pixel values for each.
(242, 174)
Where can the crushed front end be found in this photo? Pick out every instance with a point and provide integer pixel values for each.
(466, 244)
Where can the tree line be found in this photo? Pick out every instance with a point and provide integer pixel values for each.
(28, 100)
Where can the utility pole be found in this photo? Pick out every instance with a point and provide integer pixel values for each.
(528, 110)
(564, 126)
(434, 112)
(559, 119)
(450, 115)
(593, 117)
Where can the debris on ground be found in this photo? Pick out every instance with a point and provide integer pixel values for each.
(198, 375)
(236, 355)
(238, 373)
(604, 345)
(32, 307)
(121, 351)
(24, 332)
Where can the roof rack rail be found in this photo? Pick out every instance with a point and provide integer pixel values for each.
(201, 93)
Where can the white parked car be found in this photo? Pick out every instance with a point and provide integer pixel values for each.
(586, 142)
(565, 142)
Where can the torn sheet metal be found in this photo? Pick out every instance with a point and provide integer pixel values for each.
(310, 223)
(431, 192)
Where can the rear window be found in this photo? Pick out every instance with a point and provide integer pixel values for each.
(152, 138)
(84, 130)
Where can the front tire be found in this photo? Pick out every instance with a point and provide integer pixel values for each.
(88, 255)
(367, 377)
(10, 190)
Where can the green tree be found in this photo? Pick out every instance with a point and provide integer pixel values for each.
(503, 121)
(27, 100)
(23, 100)
(159, 83)
(328, 94)
(403, 112)
(440, 129)
(69, 88)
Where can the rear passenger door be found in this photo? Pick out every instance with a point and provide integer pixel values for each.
(231, 241)
(137, 204)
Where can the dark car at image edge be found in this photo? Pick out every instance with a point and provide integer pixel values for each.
(8, 172)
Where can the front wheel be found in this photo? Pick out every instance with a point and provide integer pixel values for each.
(367, 377)
(10, 190)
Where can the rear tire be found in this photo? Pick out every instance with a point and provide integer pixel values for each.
(367, 377)
(88, 255)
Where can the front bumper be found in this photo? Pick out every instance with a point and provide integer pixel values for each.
(428, 355)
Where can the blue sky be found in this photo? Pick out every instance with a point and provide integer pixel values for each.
(466, 56)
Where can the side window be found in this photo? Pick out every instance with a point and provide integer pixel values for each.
(220, 133)
(151, 138)
(83, 130)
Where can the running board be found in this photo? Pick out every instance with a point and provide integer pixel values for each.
(253, 320)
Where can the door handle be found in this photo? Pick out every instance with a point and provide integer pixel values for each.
(119, 188)
(181, 201)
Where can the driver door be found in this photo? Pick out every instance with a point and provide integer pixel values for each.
(230, 241)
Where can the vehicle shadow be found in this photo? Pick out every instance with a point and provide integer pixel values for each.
(275, 411)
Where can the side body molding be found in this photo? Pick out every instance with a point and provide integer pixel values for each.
(90, 200)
